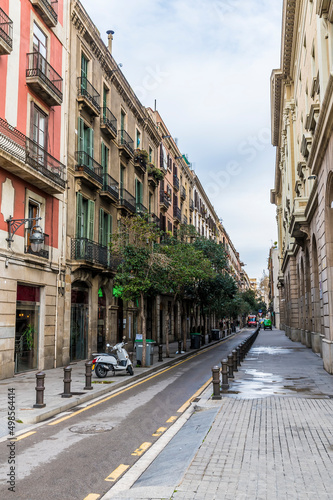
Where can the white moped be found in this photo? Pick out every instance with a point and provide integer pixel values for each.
(116, 361)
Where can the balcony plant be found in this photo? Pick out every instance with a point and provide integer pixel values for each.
(141, 156)
(155, 172)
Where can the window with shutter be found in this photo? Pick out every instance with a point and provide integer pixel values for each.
(101, 227)
(79, 216)
(90, 220)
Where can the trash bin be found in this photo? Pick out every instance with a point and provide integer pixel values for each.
(215, 334)
(149, 351)
(195, 340)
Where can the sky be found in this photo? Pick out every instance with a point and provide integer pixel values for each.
(208, 65)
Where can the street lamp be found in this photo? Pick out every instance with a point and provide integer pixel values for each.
(36, 233)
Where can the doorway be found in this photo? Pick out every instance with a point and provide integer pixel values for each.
(79, 321)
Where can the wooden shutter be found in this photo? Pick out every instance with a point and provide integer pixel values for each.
(101, 227)
(109, 232)
(90, 220)
(80, 138)
(79, 225)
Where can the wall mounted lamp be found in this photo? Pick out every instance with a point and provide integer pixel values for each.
(36, 233)
(166, 136)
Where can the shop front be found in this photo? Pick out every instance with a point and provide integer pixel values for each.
(27, 328)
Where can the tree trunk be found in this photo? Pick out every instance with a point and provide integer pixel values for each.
(166, 323)
(143, 323)
(183, 323)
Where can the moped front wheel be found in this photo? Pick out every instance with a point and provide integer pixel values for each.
(100, 371)
(130, 370)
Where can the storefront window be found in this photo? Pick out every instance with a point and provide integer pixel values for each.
(27, 328)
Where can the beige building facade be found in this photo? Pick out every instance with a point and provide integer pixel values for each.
(302, 112)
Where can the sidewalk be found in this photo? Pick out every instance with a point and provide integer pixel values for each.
(25, 393)
(270, 437)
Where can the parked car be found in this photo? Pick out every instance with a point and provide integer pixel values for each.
(267, 324)
(252, 320)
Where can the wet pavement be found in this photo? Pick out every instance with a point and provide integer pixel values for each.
(270, 437)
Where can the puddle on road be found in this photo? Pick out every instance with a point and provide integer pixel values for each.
(270, 350)
(258, 384)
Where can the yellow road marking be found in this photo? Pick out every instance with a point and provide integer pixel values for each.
(171, 419)
(160, 431)
(24, 435)
(142, 449)
(116, 473)
(132, 386)
(189, 401)
(92, 496)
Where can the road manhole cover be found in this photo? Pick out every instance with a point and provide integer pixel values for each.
(90, 428)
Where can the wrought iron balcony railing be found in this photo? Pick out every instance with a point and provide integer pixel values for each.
(177, 213)
(109, 121)
(127, 200)
(44, 252)
(176, 182)
(6, 33)
(43, 162)
(89, 94)
(48, 11)
(165, 200)
(90, 251)
(29, 152)
(191, 205)
(184, 220)
(141, 209)
(85, 163)
(44, 79)
(183, 192)
(126, 141)
(111, 186)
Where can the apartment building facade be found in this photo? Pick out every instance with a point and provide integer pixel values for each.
(32, 182)
(302, 110)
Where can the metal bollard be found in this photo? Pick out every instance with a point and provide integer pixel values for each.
(67, 382)
(179, 346)
(216, 382)
(234, 358)
(225, 385)
(160, 348)
(40, 376)
(88, 385)
(238, 356)
(230, 366)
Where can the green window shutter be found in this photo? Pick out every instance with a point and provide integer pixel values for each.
(103, 157)
(90, 220)
(80, 138)
(101, 227)
(109, 232)
(79, 225)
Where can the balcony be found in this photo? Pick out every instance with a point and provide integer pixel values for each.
(183, 193)
(43, 79)
(165, 201)
(312, 117)
(153, 218)
(141, 209)
(298, 222)
(126, 144)
(90, 252)
(176, 182)
(191, 205)
(184, 220)
(306, 145)
(47, 10)
(6, 34)
(110, 188)
(44, 252)
(127, 201)
(109, 123)
(177, 214)
(23, 157)
(141, 160)
(88, 97)
(88, 169)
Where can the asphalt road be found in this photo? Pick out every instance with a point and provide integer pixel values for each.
(85, 451)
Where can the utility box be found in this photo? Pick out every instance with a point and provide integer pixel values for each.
(215, 334)
(195, 340)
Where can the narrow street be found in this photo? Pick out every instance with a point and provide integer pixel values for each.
(77, 452)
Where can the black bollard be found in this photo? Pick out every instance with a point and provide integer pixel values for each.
(225, 385)
(238, 356)
(40, 376)
(67, 382)
(234, 359)
(179, 346)
(160, 348)
(88, 385)
(216, 382)
(230, 366)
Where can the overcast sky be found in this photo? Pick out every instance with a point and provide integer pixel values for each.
(208, 64)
